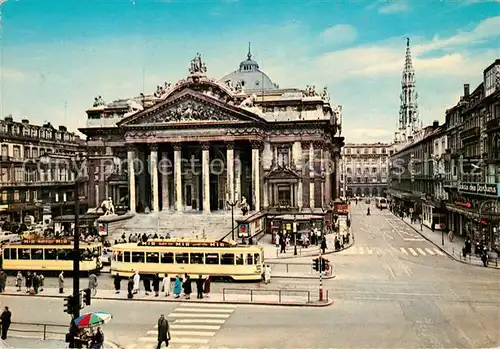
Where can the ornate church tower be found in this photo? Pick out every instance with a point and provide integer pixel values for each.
(408, 110)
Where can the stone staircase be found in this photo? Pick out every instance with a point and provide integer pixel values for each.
(179, 225)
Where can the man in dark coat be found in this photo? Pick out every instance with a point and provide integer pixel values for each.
(163, 331)
(156, 284)
(117, 282)
(199, 287)
(5, 319)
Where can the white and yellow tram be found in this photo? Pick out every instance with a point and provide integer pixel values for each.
(50, 255)
(197, 257)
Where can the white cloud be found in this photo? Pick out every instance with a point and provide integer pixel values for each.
(364, 78)
(339, 33)
(394, 7)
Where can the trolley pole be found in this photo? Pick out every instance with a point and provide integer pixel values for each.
(320, 264)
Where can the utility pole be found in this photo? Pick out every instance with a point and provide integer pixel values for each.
(232, 204)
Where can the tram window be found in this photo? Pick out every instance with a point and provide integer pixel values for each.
(182, 258)
(64, 255)
(50, 254)
(167, 258)
(211, 258)
(256, 257)
(152, 257)
(227, 259)
(239, 259)
(126, 257)
(137, 257)
(249, 259)
(36, 253)
(23, 253)
(118, 256)
(196, 258)
(7, 253)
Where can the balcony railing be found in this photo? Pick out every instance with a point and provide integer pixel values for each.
(492, 125)
(471, 132)
(34, 183)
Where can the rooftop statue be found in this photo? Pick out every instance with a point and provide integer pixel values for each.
(325, 95)
(310, 91)
(98, 101)
(197, 65)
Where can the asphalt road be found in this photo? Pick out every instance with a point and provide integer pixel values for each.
(386, 296)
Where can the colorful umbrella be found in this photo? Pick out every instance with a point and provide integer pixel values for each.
(93, 319)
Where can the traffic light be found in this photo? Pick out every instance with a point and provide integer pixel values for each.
(324, 262)
(87, 296)
(316, 265)
(69, 304)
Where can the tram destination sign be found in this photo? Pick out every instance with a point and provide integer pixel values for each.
(185, 244)
(46, 242)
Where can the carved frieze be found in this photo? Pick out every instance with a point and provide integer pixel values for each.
(187, 111)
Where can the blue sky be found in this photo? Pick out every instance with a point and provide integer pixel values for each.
(66, 52)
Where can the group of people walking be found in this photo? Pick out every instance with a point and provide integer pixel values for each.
(33, 282)
(164, 284)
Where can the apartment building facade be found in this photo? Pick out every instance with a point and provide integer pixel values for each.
(365, 169)
(36, 178)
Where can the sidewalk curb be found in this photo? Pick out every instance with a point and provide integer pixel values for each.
(308, 254)
(310, 277)
(180, 300)
(107, 343)
(451, 256)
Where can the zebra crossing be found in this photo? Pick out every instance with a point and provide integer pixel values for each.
(378, 251)
(192, 325)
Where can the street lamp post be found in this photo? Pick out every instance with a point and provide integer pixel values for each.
(232, 204)
(76, 239)
(294, 229)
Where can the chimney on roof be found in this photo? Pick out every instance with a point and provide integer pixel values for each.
(435, 124)
(466, 90)
(62, 128)
(25, 121)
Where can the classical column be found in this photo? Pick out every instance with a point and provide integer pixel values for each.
(230, 171)
(131, 177)
(178, 177)
(256, 175)
(205, 163)
(266, 194)
(337, 174)
(237, 175)
(327, 195)
(154, 177)
(311, 176)
(165, 168)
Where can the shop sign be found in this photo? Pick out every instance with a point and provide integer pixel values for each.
(463, 204)
(488, 189)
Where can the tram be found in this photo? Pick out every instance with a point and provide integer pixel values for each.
(181, 256)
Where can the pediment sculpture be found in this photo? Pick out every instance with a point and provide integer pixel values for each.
(188, 111)
(197, 65)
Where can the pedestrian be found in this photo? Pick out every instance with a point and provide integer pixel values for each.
(117, 281)
(36, 283)
(156, 284)
(93, 283)
(137, 280)
(163, 331)
(323, 243)
(177, 287)
(130, 288)
(19, 281)
(28, 281)
(3, 280)
(41, 281)
(97, 339)
(147, 285)
(187, 287)
(5, 320)
(166, 285)
(199, 287)
(60, 281)
(206, 286)
(267, 274)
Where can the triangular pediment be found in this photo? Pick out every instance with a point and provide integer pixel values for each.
(282, 173)
(192, 107)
